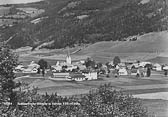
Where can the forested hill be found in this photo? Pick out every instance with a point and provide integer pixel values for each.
(75, 22)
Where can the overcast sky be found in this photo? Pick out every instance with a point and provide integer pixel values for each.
(16, 1)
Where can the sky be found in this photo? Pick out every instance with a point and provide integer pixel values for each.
(17, 1)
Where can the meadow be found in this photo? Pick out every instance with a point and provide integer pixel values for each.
(155, 84)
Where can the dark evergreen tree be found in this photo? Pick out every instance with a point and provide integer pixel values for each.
(116, 60)
(148, 72)
(43, 64)
(90, 63)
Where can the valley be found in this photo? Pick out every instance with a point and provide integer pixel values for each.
(69, 33)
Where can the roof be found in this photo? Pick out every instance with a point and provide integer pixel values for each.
(77, 75)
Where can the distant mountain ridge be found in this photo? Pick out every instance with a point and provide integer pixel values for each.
(76, 22)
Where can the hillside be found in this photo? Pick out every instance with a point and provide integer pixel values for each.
(150, 46)
(76, 22)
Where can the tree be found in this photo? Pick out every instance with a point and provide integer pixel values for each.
(99, 65)
(148, 72)
(8, 62)
(105, 101)
(116, 60)
(90, 63)
(43, 64)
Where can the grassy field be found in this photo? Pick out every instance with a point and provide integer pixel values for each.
(154, 84)
(127, 84)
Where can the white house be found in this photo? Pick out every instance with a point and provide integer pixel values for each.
(32, 68)
(157, 67)
(33, 65)
(122, 71)
(90, 75)
(77, 77)
(82, 76)
(165, 67)
(56, 68)
(19, 68)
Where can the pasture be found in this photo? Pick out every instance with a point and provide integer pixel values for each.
(155, 84)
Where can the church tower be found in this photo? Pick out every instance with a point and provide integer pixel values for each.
(68, 58)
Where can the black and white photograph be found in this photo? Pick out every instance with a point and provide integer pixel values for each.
(83, 58)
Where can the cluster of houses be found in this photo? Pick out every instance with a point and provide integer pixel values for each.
(134, 68)
(72, 71)
(77, 71)
(62, 70)
(31, 68)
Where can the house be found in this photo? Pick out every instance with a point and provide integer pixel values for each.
(80, 17)
(165, 67)
(56, 68)
(157, 67)
(133, 72)
(82, 76)
(81, 67)
(33, 65)
(19, 68)
(122, 71)
(71, 67)
(77, 77)
(90, 75)
(32, 68)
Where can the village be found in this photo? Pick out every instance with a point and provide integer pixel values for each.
(90, 70)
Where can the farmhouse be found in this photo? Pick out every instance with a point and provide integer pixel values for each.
(90, 75)
(19, 68)
(32, 68)
(157, 67)
(122, 72)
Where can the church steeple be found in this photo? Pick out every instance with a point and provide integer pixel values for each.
(68, 58)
